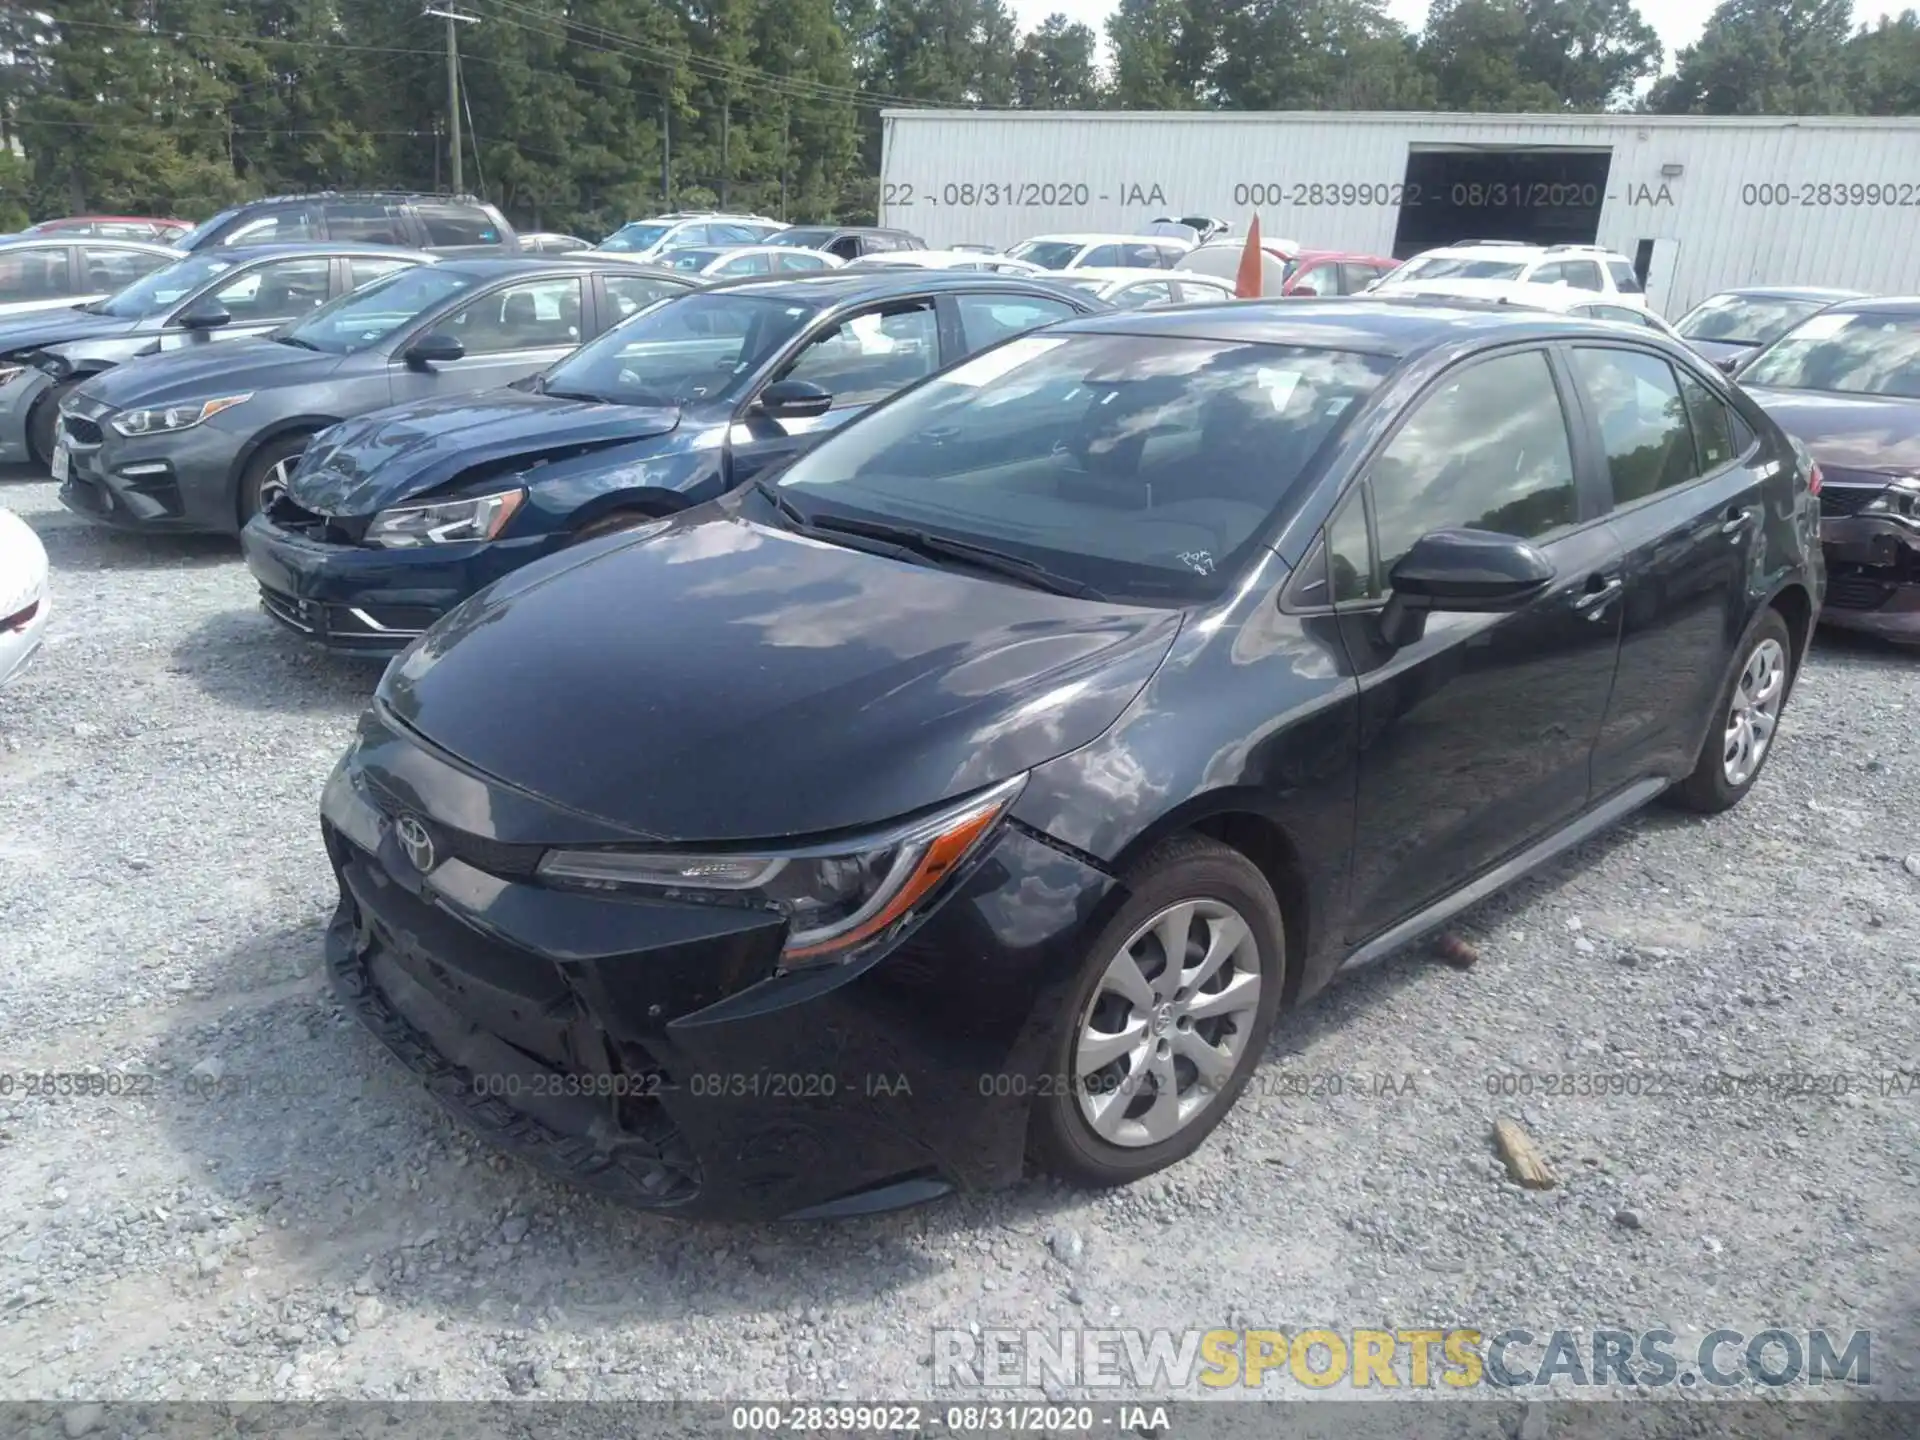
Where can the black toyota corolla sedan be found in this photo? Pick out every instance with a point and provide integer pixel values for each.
(1846, 384)
(981, 785)
(200, 439)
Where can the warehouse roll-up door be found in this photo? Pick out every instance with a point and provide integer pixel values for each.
(1545, 195)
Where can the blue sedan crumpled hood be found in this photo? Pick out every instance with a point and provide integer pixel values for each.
(362, 466)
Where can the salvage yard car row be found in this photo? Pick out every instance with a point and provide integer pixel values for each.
(943, 674)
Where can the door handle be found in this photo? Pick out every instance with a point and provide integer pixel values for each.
(1593, 603)
(1737, 520)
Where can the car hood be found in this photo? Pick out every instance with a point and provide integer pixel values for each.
(207, 370)
(714, 679)
(362, 466)
(1849, 432)
(56, 327)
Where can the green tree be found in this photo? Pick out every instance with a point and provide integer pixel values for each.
(1054, 69)
(1315, 55)
(1886, 60)
(1765, 57)
(1474, 50)
(1592, 54)
(1164, 53)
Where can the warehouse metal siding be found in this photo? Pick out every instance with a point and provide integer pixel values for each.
(985, 176)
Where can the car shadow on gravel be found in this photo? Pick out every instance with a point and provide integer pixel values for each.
(351, 1177)
(77, 546)
(242, 659)
(1853, 647)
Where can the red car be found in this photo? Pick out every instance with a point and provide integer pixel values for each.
(114, 227)
(1333, 272)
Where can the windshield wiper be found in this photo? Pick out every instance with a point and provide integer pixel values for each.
(791, 512)
(981, 557)
(302, 344)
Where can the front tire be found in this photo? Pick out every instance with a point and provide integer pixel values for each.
(1166, 1019)
(268, 472)
(44, 418)
(1746, 721)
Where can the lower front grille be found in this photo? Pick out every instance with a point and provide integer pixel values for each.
(305, 615)
(82, 432)
(1857, 592)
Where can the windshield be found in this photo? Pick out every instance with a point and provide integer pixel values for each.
(362, 319)
(702, 346)
(204, 230)
(1746, 319)
(1047, 254)
(637, 236)
(1145, 467)
(151, 294)
(807, 239)
(1454, 267)
(1850, 354)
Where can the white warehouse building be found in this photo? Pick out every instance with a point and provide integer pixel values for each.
(1698, 203)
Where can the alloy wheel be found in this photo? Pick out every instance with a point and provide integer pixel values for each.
(274, 483)
(1167, 1026)
(1754, 712)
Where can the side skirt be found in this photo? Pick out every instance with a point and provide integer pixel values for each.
(1609, 812)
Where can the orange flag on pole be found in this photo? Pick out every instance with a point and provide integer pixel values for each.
(1246, 285)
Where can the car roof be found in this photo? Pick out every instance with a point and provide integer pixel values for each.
(1354, 255)
(50, 238)
(1397, 328)
(1097, 237)
(1792, 292)
(1131, 272)
(498, 267)
(240, 254)
(1877, 305)
(849, 285)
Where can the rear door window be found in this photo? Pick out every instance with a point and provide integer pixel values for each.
(450, 224)
(1643, 423)
(1104, 257)
(369, 223)
(631, 294)
(1147, 292)
(108, 268)
(867, 357)
(987, 319)
(1199, 290)
(284, 290)
(533, 315)
(364, 269)
(757, 264)
(37, 274)
(295, 222)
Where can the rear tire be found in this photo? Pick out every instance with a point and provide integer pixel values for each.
(1127, 1093)
(43, 419)
(269, 470)
(1745, 724)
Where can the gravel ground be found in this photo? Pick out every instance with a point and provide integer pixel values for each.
(305, 1223)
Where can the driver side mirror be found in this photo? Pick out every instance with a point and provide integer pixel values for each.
(1471, 571)
(434, 349)
(793, 400)
(1730, 364)
(204, 315)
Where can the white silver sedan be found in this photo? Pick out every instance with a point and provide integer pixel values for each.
(1140, 288)
(24, 603)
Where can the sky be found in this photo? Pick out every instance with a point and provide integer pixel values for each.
(1679, 22)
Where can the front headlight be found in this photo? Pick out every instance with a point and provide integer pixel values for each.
(445, 522)
(837, 898)
(164, 418)
(1901, 500)
(11, 373)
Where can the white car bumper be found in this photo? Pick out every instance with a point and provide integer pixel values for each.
(25, 605)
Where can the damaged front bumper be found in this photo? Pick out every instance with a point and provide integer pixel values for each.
(1872, 551)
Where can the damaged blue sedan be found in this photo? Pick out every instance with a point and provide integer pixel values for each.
(394, 518)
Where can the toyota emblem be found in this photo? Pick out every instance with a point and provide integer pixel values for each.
(415, 840)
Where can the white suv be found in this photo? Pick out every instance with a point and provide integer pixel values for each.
(686, 230)
(1581, 267)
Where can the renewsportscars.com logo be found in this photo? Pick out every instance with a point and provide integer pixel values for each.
(1170, 1361)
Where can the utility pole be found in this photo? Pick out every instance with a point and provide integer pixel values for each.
(453, 18)
(726, 158)
(786, 125)
(666, 145)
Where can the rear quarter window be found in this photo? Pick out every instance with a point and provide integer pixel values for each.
(458, 225)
